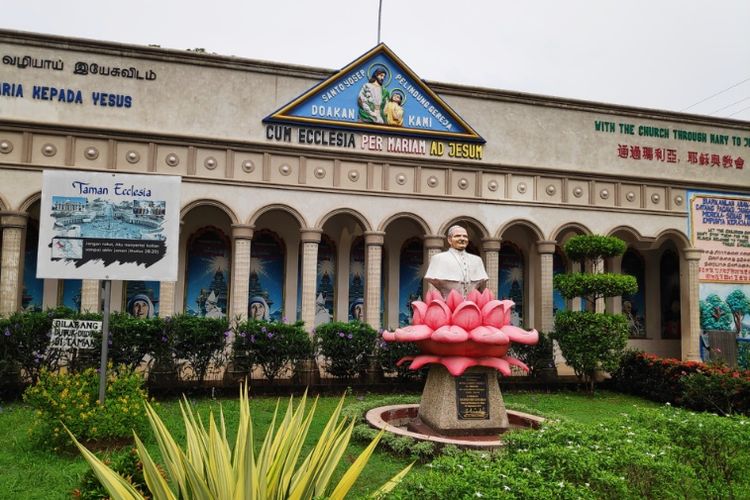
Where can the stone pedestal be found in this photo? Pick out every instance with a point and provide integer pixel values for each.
(470, 404)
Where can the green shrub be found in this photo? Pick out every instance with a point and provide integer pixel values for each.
(124, 462)
(591, 341)
(131, 338)
(595, 286)
(662, 453)
(692, 384)
(584, 247)
(272, 345)
(538, 357)
(199, 341)
(389, 353)
(72, 400)
(346, 346)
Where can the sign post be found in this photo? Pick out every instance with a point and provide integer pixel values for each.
(108, 226)
(105, 341)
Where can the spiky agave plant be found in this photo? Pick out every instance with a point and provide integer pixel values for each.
(208, 468)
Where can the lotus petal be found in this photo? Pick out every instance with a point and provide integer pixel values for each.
(450, 334)
(489, 335)
(484, 297)
(431, 295)
(404, 360)
(389, 336)
(457, 365)
(437, 314)
(419, 309)
(498, 364)
(423, 359)
(520, 335)
(474, 296)
(454, 299)
(412, 333)
(467, 315)
(516, 362)
(493, 314)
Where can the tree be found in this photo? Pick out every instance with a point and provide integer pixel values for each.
(715, 314)
(592, 341)
(739, 304)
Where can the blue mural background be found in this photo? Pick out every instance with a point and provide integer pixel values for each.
(410, 278)
(33, 288)
(71, 294)
(267, 261)
(357, 280)
(511, 275)
(207, 271)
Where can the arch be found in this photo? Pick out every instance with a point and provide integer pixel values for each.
(4, 203)
(212, 203)
(277, 206)
(464, 219)
(569, 226)
(679, 238)
(405, 215)
(523, 223)
(26, 204)
(626, 233)
(345, 211)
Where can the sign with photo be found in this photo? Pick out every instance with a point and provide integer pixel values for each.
(108, 226)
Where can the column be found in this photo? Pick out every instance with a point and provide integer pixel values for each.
(167, 298)
(310, 239)
(546, 250)
(598, 268)
(91, 294)
(373, 272)
(11, 265)
(690, 301)
(614, 304)
(242, 235)
(433, 245)
(491, 250)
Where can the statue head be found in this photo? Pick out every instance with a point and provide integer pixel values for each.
(458, 238)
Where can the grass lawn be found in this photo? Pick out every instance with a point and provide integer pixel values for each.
(28, 471)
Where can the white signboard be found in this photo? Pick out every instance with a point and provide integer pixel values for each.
(96, 225)
(69, 334)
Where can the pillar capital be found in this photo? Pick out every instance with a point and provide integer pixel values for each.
(242, 231)
(546, 246)
(13, 219)
(310, 235)
(491, 244)
(692, 253)
(374, 238)
(432, 241)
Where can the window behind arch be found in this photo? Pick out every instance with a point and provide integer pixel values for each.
(409, 278)
(266, 281)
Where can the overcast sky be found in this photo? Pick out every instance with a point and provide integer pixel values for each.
(662, 54)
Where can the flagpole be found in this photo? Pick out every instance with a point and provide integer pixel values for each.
(380, 15)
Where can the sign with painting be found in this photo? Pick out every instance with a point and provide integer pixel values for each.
(108, 226)
(376, 94)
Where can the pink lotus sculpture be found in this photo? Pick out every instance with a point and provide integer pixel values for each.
(459, 334)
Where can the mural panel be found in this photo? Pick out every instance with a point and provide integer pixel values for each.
(208, 261)
(357, 280)
(142, 298)
(410, 278)
(511, 280)
(266, 291)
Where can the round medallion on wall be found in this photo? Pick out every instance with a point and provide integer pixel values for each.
(285, 169)
(521, 187)
(551, 190)
(132, 157)
(6, 147)
(248, 166)
(433, 181)
(401, 179)
(172, 160)
(492, 185)
(577, 192)
(604, 194)
(91, 153)
(319, 173)
(49, 150)
(210, 163)
(630, 196)
(463, 183)
(678, 200)
(655, 198)
(353, 175)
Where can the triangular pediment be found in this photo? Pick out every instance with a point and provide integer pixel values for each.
(377, 93)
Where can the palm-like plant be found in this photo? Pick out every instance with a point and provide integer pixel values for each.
(208, 468)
